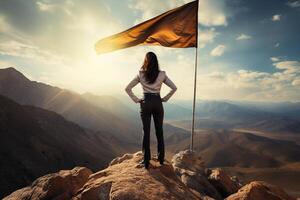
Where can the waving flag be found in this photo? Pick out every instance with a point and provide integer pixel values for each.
(176, 28)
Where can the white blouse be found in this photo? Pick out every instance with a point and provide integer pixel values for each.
(151, 88)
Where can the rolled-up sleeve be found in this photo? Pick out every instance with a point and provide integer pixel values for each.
(173, 87)
(129, 87)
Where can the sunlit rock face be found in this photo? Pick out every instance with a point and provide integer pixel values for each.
(61, 185)
(260, 190)
(190, 168)
(125, 178)
(225, 184)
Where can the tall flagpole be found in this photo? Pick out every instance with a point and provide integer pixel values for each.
(194, 101)
(195, 87)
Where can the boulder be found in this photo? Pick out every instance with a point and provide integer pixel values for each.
(190, 168)
(189, 161)
(58, 186)
(223, 182)
(257, 190)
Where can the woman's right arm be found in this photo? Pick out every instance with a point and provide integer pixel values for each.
(129, 87)
(173, 87)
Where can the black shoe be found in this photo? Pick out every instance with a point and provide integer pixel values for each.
(161, 162)
(145, 163)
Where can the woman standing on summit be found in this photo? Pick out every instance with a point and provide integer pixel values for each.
(151, 79)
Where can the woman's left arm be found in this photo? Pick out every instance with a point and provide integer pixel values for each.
(129, 87)
(173, 87)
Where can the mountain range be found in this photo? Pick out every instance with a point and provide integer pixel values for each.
(71, 105)
(228, 148)
(268, 117)
(35, 141)
(221, 114)
(46, 128)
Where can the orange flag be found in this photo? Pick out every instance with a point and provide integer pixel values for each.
(177, 28)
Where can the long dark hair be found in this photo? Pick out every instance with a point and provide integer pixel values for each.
(150, 67)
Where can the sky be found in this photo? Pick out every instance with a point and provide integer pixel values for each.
(248, 49)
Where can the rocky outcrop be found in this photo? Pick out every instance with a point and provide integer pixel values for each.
(223, 183)
(187, 160)
(190, 168)
(61, 185)
(257, 190)
(125, 179)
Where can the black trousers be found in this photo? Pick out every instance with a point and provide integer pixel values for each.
(152, 106)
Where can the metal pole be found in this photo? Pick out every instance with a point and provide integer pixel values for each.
(194, 102)
(195, 84)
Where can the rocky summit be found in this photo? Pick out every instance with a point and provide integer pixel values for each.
(185, 177)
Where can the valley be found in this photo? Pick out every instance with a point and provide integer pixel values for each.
(46, 128)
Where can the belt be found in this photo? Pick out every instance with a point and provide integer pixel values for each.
(151, 94)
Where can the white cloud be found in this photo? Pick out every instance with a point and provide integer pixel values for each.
(281, 85)
(293, 4)
(152, 8)
(19, 49)
(289, 67)
(63, 33)
(218, 51)
(276, 17)
(243, 37)
(206, 36)
(46, 6)
(52, 7)
(9, 31)
(251, 85)
(274, 59)
(211, 12)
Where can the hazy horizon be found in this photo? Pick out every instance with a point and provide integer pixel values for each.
(124, 96)
(248, 51)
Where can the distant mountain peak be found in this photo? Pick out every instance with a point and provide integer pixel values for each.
(10, 69)
(12, 73)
